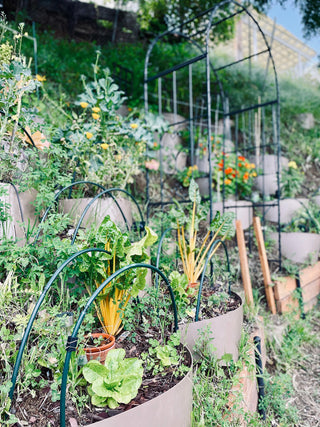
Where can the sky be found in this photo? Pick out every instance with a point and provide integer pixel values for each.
(289, 17)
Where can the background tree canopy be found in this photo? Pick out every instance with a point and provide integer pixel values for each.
(157, 16)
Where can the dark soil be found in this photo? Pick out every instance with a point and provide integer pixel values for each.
(40, 411)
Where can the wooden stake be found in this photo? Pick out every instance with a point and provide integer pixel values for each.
(264, 265)
(244, 264)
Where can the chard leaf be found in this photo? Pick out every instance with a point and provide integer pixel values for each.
(194, 193)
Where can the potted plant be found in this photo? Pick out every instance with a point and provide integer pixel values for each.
(291, 186)
(195, 254)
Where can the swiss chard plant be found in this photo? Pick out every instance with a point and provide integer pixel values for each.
(98, 267)
(192, 249)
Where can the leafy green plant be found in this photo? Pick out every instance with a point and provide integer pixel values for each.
(239, 174)
(122, 252)
(193, 253)
(184, 176)
(98, 139)
(160, 356)
(307, 219)
(116, 382)
(291, 180)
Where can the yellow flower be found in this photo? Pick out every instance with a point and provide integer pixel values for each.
(40, 78)
(95, 116)
(252, 166)
(254, 174)
(133, 125)
(96, 109)
(89, 135)
(195, 167)
(104, 146)
(292, 164)
(84, 104)
(118, 157)
(227, 181)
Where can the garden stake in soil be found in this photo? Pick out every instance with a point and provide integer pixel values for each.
(244, 263)
(264, 265)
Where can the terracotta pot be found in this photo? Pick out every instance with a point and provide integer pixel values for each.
(225, 331)
(100, 352)
(288, 208)
(299, 247)
(170, 409)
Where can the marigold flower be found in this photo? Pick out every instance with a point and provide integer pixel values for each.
(200, 144)
(40, 78)
(95, 116)
(155, 144)
(292, 164)
(104, 146)
(254, 174)
(227, 181)
(84, 104)
(195, 167)
(247, 165)
(89, 135)
(96, 109)
(241, 158)
(133, 125)
(240, 165)
(252, 166)
(228, 171)
(246, 176)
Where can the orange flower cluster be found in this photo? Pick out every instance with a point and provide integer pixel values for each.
(238, 173)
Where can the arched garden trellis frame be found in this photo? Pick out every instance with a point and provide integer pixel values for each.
(203, 109)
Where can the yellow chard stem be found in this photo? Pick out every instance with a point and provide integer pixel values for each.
(186, 258)
(201, 262)
(202, 246)
(181, 250)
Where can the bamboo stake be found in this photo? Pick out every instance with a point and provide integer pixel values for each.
(244, 264)
(264, 265)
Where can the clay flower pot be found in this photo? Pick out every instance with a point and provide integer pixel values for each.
(100, 352)
(225, 330)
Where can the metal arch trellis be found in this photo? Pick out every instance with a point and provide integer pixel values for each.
(239, 122)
